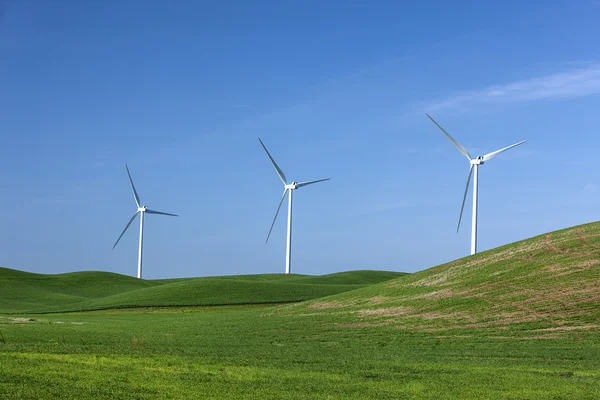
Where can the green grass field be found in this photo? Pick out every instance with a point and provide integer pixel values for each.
(517, 322)
(78, 291)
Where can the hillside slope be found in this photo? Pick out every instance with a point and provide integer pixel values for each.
(549, 283)
(91, 290)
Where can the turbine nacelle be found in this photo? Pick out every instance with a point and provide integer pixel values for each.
(142, 209)
(292, 186)
(477, 161)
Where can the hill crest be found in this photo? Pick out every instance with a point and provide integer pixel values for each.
(549, 283)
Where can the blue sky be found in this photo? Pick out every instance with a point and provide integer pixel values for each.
(335, 89)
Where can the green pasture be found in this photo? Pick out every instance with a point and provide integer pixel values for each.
(517, 322)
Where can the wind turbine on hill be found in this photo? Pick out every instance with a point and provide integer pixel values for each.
(474, 165)
(141, 210)
(287, 188)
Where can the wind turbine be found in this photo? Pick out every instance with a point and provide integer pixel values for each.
(475, 163)
(287, 188)
(141, 210)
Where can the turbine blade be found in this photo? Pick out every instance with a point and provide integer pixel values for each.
(135, 195)
(161, 213)
(300, 184)
(276, 213)
(464, 197)
(127, 226)
(495, 153)
(277, 169)
(456, 144)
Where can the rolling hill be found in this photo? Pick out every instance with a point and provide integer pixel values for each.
(551, 281)
(92, 290)
(549, 284)
(520, 322)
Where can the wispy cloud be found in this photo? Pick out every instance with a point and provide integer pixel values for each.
(570, 84)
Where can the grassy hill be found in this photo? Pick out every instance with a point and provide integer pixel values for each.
(28, 292)
(549, 283)
(517, 322)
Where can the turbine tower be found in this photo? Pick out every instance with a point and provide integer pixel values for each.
(474, 166)
(141, 210)
(287, 188)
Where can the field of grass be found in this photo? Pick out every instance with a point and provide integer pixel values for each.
(77, 291)
(255, 352)
(517, 322)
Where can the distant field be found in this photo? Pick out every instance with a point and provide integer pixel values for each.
(78, 291)
(518, 322)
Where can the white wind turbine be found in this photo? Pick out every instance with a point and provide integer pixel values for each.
(141, 210)
(287, 187)
(475, 163)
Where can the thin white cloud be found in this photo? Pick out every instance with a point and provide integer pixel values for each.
(571, 84)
